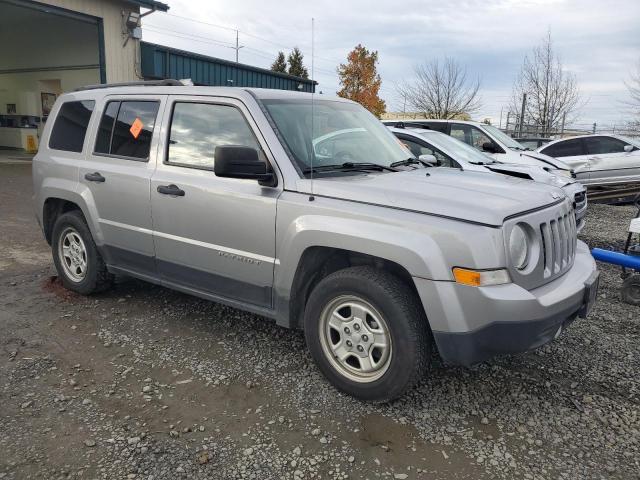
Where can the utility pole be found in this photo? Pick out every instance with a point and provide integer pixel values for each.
(237, 47)
(564, 118)
(501, 108)
(594, 127)
(524, 104)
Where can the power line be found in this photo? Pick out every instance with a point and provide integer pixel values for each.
(224, 27)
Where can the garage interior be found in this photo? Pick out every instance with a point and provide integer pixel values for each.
(45, 51)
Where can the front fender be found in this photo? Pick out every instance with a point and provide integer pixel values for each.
(426, 246)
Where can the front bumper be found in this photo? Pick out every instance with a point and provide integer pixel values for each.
(472, 324)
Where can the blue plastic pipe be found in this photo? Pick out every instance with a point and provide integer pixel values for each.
(617, 258)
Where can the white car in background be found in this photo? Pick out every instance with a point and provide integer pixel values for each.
(490, 140)
(441, 150)
(599, 160)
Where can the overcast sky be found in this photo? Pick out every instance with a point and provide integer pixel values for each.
(598, 40)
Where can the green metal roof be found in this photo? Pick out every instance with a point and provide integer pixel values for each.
(150, 4)
(160, 62)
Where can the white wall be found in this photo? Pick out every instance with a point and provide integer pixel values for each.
(24, 89)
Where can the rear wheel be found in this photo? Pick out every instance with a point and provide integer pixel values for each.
(76, 257)
(367, 332)
(631, 289)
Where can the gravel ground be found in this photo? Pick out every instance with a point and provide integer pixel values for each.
(142, 382)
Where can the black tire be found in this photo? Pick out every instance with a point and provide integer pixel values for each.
(97, 278)
(631, 289)
(404, 317)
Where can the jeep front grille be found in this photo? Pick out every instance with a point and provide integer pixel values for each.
(558, 244)
(553, 244)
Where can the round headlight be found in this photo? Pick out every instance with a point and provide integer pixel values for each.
(519, 247)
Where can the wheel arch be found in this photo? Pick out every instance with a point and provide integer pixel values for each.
(316, 262)
(56, 202)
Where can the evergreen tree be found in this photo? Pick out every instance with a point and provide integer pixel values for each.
(296, 67)
(280, 65)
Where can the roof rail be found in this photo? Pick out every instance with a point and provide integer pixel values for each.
(170, 82)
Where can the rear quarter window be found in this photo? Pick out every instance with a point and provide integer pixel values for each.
(70, 127)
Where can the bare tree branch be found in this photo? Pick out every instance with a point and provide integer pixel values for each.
(633, 104)
(552, 92)
(441, 90)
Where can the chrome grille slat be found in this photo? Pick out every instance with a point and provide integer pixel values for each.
(556, 246)
(546, 242)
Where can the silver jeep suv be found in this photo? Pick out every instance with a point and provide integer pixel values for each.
(308, 211)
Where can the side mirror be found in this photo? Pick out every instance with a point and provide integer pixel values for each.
(628, 148)
(238, 161)
(488, 147)
(430, 159)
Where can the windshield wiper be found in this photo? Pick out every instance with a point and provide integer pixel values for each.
(350, 166)
(409, 161)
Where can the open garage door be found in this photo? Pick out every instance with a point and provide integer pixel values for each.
(44, 51)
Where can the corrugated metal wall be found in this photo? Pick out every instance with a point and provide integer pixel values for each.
(164, 62)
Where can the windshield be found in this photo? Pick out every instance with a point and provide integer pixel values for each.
(455, 148)
(632, 141)
(342, 133)
(503, 138)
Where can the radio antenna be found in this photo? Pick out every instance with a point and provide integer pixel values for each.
(313, 88)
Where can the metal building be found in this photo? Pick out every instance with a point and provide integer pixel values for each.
(48, 47)
(159, 62)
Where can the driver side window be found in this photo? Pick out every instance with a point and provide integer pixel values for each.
(422, 149)
(470, 135)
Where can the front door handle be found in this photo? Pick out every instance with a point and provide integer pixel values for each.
(172, 189)
(94, 177)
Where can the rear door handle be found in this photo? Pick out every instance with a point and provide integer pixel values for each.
(94, 177)
(172, 189)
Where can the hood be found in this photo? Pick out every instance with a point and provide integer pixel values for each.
(478, 197)
(531, 172)
(545, 159)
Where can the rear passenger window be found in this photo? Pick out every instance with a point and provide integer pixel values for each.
(71, 125)
(198, 128)
(126, 129)
(566, 148)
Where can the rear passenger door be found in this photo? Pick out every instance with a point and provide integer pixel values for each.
(212, 235)
(115, 179)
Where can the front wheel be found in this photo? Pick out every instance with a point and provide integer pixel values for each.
(367, 332)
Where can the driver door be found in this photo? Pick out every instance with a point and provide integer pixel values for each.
(212, 235)
(609, 162)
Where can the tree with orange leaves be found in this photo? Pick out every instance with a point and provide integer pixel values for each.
(360, 80)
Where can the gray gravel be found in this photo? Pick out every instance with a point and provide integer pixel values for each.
(145, 383)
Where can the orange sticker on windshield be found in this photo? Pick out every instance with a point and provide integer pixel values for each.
(136, 128)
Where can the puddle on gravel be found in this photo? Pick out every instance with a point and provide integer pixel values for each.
(53, 284)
